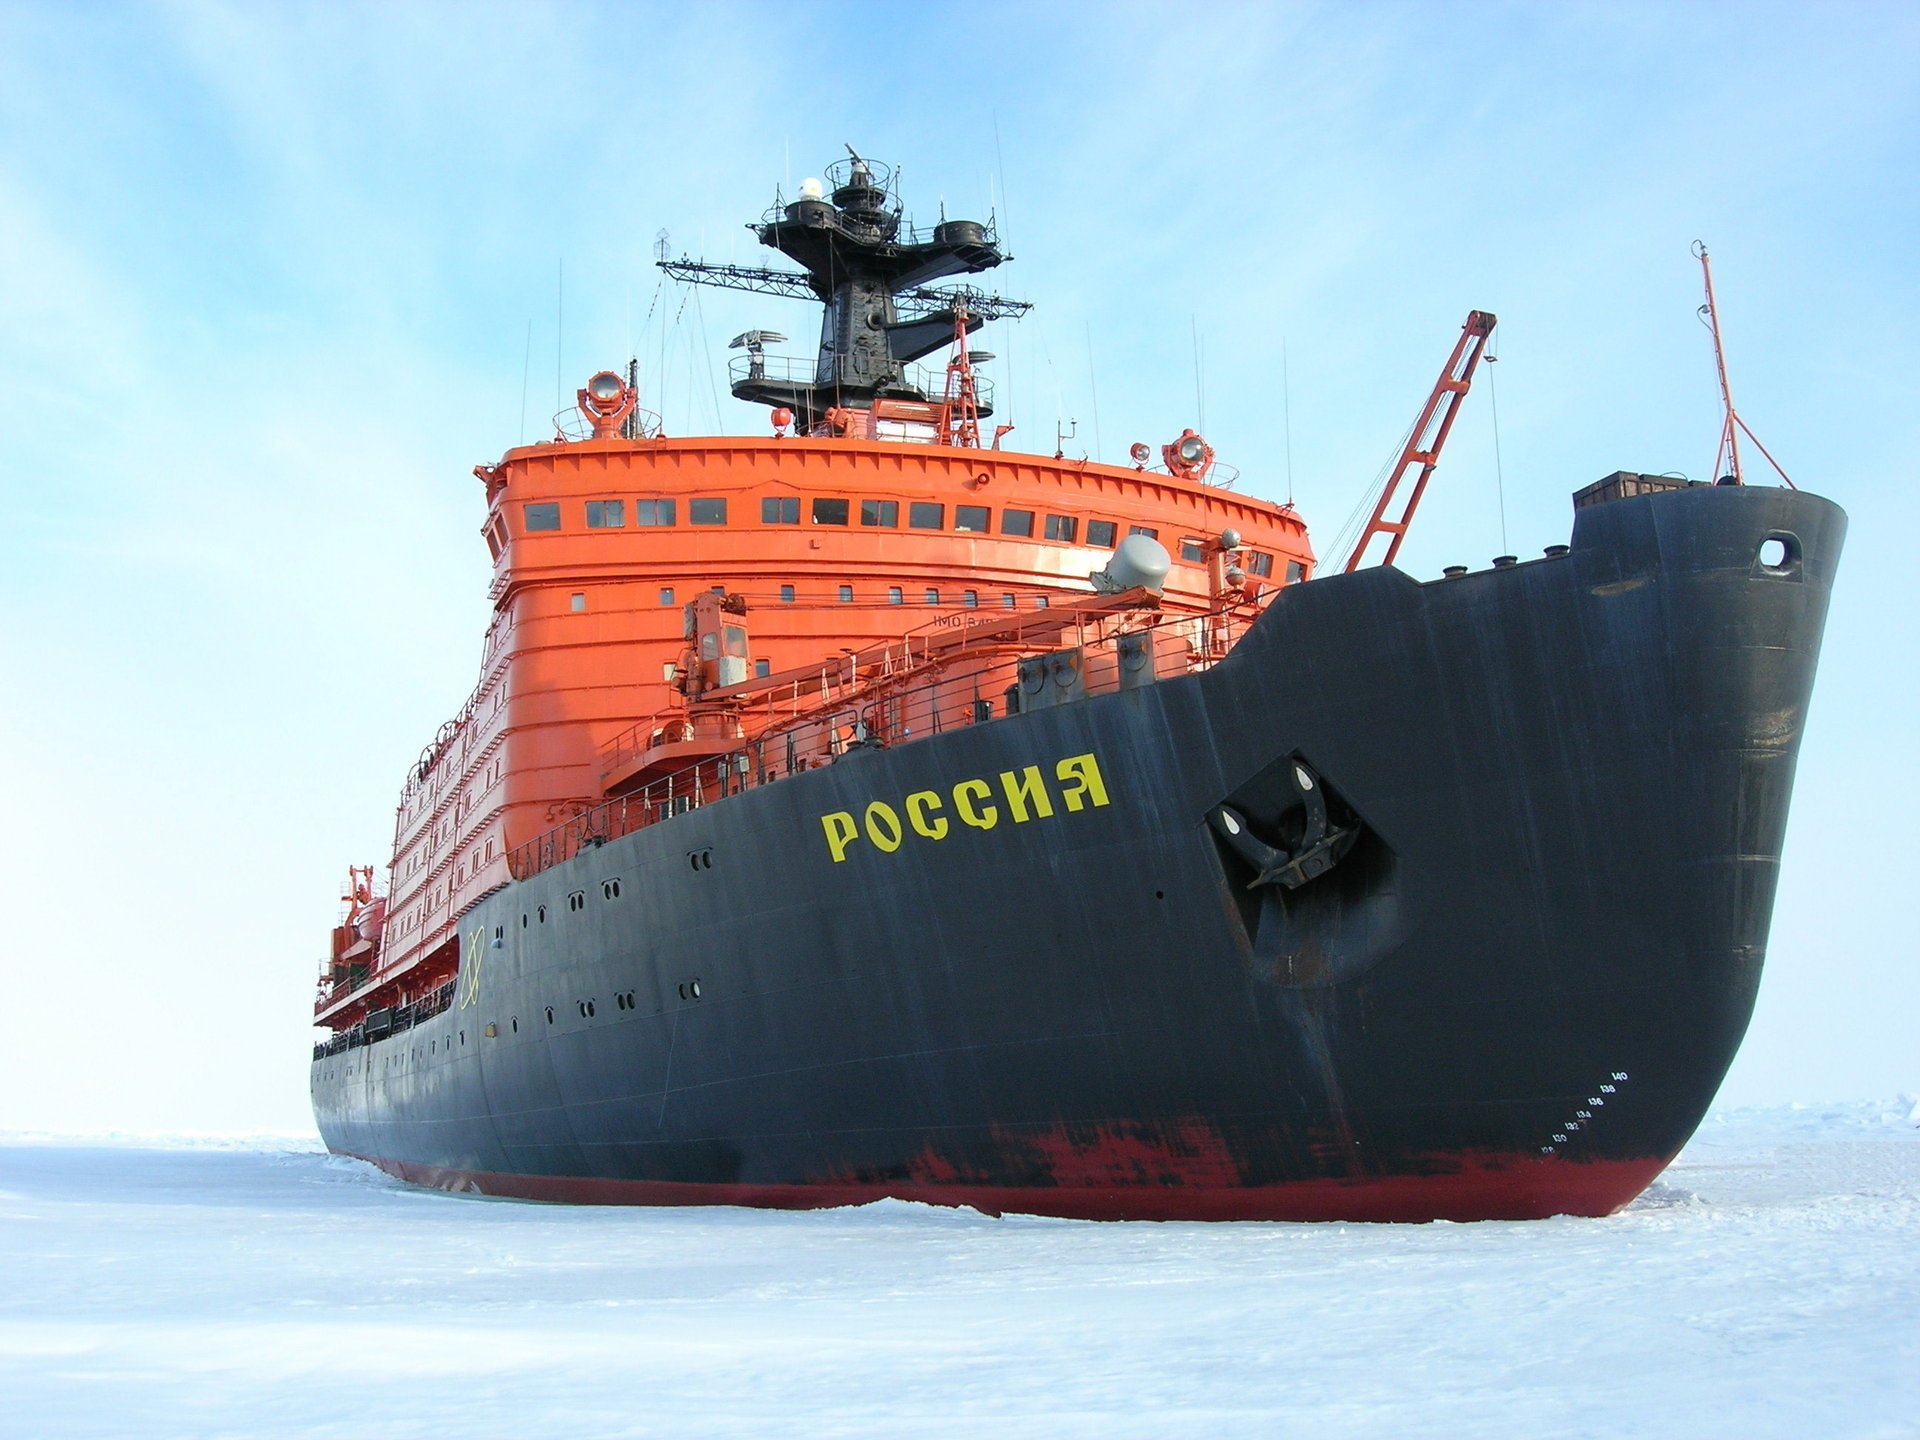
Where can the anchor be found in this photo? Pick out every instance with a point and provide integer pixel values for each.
(1321, 844)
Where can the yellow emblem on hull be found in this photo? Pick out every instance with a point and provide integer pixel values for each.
(471, 953)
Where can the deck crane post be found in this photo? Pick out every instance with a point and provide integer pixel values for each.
(1426, 439)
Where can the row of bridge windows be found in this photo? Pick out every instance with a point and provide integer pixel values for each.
(878, 514)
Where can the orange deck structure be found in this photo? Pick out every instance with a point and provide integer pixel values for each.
(887, 520)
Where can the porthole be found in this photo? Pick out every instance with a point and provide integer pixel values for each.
(523, 922)
(516, 1024)
(631, 1003)
(540, 913)
(694, 989)
(549, 1014)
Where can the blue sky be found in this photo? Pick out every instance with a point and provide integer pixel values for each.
(268, 275)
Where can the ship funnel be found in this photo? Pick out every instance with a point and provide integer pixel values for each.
(1140, 562)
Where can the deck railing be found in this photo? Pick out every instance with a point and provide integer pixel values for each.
(402, 1017)
(970, 691)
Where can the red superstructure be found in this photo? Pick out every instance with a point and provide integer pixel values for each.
(884, 519)
(834, 545)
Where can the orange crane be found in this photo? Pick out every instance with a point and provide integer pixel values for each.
(1428, 435)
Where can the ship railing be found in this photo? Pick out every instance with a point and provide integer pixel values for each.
(570, 424)
(931, 381)
(928, 381)
(972, 689)
(401, 1018)
(783, 369)
(1220, 475)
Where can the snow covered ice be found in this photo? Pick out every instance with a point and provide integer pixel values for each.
(1768, 1285)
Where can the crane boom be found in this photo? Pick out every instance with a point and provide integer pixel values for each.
(1427, 438)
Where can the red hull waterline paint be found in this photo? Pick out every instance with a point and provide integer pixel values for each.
(1462, 1188)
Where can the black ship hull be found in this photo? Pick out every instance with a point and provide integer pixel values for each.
(1059, 987)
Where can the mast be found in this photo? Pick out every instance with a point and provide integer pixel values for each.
(871, 273)
(1726, 460)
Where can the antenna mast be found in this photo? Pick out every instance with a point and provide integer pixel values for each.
(871, 273)
(1726, 460)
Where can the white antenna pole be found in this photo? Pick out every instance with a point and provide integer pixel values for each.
(1286, 414)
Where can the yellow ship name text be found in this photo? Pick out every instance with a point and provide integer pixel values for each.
(1021, 795)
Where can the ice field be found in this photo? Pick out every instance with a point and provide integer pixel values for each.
(1768, 1285)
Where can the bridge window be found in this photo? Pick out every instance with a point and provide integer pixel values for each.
(880, 512)
(1260, 563)
(970, 599)
(1194, 552)
(830, 512)
(786, 594)
(780, 510)
(1102, 532)
(1016, 522)
(1295, 572)
(707, 511)
(577, 601)
(971, 517)
(666, 594)
(1040, 602)
(895, 595)
(846, 594)
(606, 514)
(653, 512)
(924, 515)
(763, 668)
(1063, 527)
(933, 597)
(1006, 602)
(541, 517)
(1147, 530)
